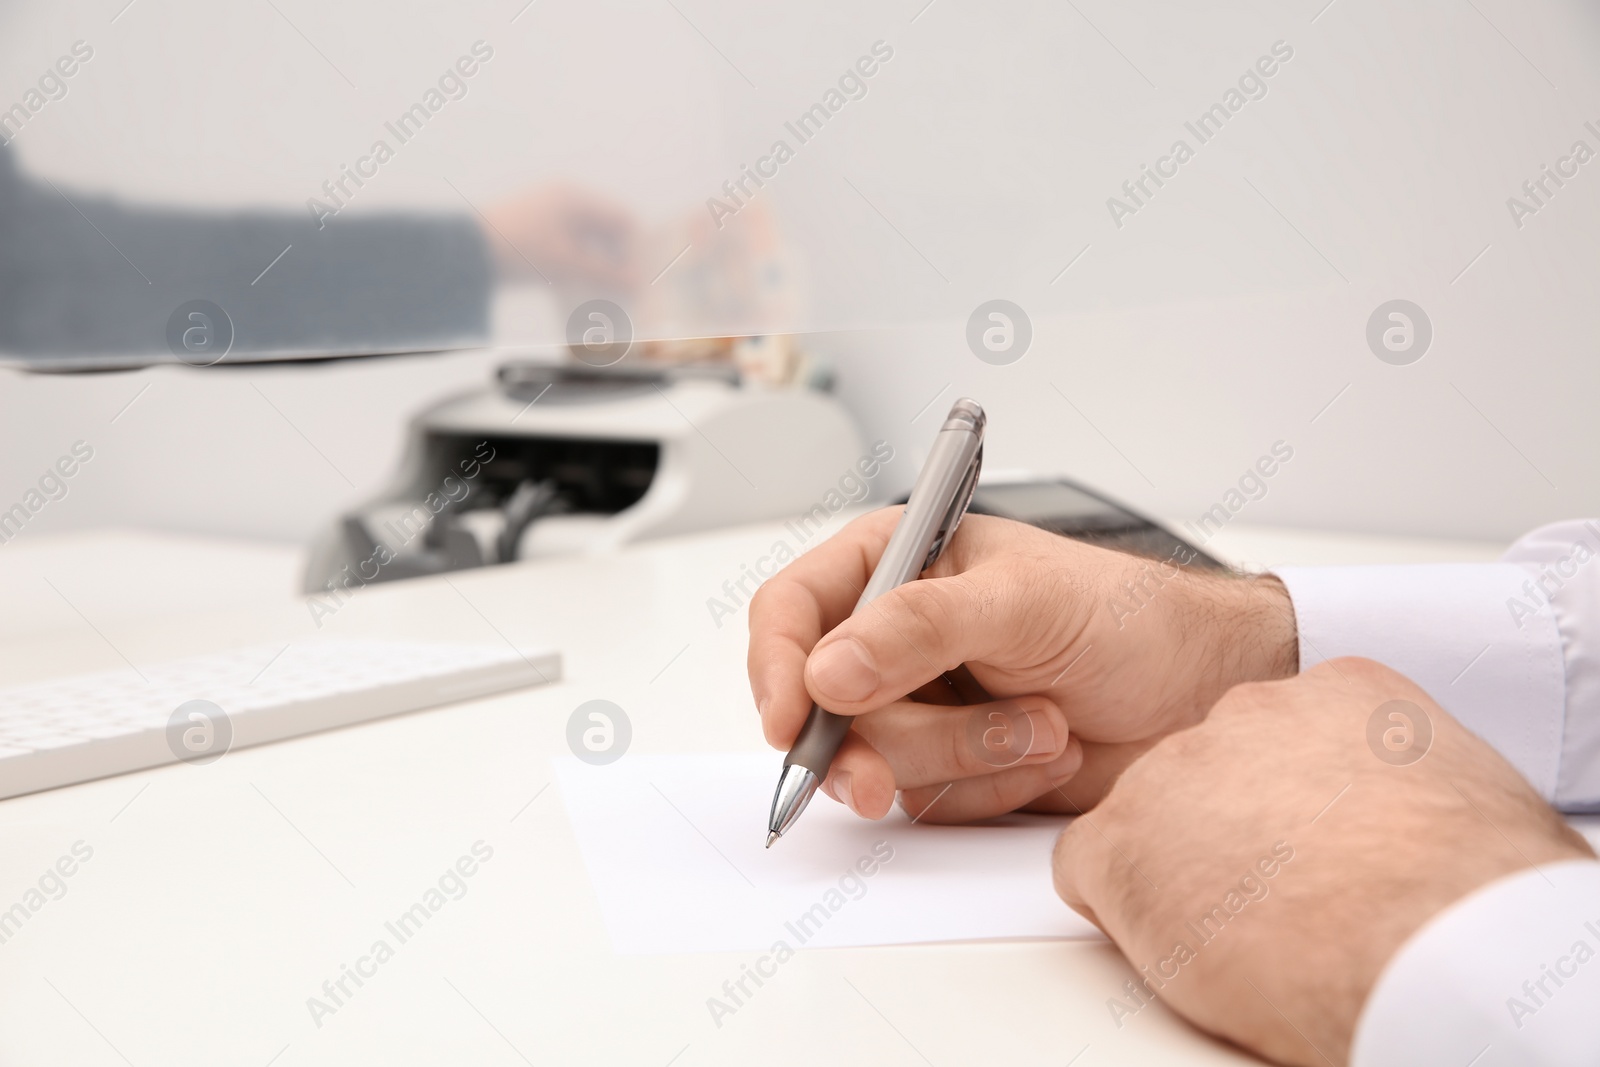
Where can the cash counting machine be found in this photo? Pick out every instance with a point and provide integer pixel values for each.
(568, 458)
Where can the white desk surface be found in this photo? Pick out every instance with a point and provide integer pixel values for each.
(219, 898)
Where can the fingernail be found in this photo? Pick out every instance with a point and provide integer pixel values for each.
(1048, 737)
(841, 788)
(844, 671)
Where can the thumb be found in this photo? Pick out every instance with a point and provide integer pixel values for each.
(905, 639)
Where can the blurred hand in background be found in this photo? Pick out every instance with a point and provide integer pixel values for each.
(571, 237)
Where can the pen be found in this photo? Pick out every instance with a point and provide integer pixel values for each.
(938, 501)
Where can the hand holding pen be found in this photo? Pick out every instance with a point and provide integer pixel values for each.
(1030, 614)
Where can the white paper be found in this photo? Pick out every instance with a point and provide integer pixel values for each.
(674, 847)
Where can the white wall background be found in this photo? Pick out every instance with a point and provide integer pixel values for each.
(1224, 316)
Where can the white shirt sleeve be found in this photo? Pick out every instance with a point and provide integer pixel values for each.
(1508, 977)
(1511, 649)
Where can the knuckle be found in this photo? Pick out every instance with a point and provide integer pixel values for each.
(958, 755)
(919, 601)
(1357, 669)
(769, 596)
(988, 796)
(1246, 698)
(941, 614)
(972, 593)
(873, 528)
(918, 612)
(879, 518)
(1353, 682)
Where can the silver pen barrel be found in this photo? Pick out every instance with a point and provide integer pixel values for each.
(937, 502)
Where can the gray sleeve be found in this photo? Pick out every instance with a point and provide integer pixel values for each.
(87, 280)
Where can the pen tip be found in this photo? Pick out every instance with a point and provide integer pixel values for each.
(771, 837)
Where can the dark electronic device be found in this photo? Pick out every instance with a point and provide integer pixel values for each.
(1069, 509)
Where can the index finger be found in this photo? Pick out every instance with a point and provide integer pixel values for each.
(794, 608)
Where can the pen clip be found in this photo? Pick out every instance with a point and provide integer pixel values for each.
(958, 508)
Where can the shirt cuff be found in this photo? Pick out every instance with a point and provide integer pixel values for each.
(1509, 975)
(1450, 629)
(1564, 577)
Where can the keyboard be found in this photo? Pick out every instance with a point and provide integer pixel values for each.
(196, 710)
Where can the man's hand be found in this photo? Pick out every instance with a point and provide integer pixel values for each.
(1260, 869)
(1092, 656)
